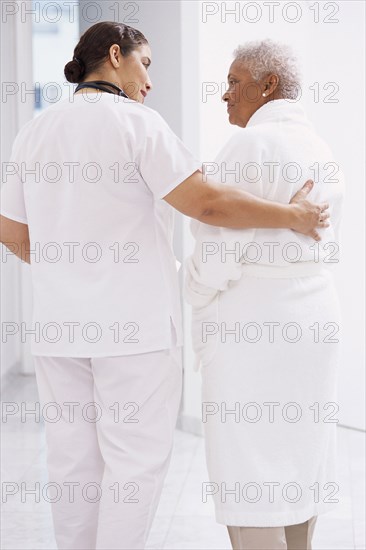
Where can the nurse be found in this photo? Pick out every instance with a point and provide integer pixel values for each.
(88, 201)
(266, 321)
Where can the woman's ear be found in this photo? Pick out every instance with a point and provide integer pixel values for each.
(114, 55)
(270, 84)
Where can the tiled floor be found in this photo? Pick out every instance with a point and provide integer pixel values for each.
(182, 521)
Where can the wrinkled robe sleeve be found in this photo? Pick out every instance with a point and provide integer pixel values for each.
(217, 252)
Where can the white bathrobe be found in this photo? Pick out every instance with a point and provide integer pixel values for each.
(266, 330)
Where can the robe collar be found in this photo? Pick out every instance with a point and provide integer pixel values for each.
(279, 110)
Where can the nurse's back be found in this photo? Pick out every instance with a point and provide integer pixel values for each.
(93, 169)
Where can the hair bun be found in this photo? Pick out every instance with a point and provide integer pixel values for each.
(74, 70)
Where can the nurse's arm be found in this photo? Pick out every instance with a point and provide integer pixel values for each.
(227, 206)
(15, 236)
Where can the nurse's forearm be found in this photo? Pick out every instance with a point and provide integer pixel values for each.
(233, 208)
(227, 206)
(238, 209)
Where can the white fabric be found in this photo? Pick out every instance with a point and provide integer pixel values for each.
(266, 330)
(101, 235)
(278, 145)
(115, 420)
(299, 269)
(271, 158)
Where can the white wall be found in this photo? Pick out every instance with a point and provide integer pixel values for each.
(22, 66)
(328, 53)
(189, 50)
(16, 69)
(191, 135)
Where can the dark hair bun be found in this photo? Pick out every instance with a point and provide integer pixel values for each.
(74, 71)
(92, 51)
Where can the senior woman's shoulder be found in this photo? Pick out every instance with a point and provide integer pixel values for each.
(250, 133)
(253, 138)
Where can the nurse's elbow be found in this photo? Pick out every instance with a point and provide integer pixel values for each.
(210, 203)
(195, 198)
(205, 214)
(212, 206)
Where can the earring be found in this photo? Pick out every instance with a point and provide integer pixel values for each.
(264, 95)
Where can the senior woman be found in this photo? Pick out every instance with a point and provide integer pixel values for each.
(266, 319)
(88, 202)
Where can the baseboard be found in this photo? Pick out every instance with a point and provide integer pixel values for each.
(9, 376)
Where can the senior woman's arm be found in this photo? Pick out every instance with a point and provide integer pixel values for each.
(228, 206)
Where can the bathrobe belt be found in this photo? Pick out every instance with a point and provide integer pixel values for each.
(288, 271)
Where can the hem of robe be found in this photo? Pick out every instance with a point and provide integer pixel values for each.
(263, 519)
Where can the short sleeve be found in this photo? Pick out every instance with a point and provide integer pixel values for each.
(12, 203)
(164, 161)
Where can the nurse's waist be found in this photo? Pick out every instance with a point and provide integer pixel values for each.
(288, 271)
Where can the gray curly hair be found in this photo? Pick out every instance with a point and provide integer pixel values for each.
(267, 57)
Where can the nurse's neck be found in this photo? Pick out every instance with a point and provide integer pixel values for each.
(106, 76)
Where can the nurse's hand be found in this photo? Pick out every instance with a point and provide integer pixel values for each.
(309, 215)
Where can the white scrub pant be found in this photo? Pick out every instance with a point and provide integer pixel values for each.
(109, 426)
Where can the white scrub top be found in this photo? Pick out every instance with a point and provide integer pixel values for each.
(88, 176)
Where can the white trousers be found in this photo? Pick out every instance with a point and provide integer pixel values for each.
(109, 432)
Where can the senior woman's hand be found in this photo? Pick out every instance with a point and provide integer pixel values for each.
(310, 215)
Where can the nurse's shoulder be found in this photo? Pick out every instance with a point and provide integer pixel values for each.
(142, 115)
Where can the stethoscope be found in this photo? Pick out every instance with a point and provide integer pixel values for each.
(100, 85)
